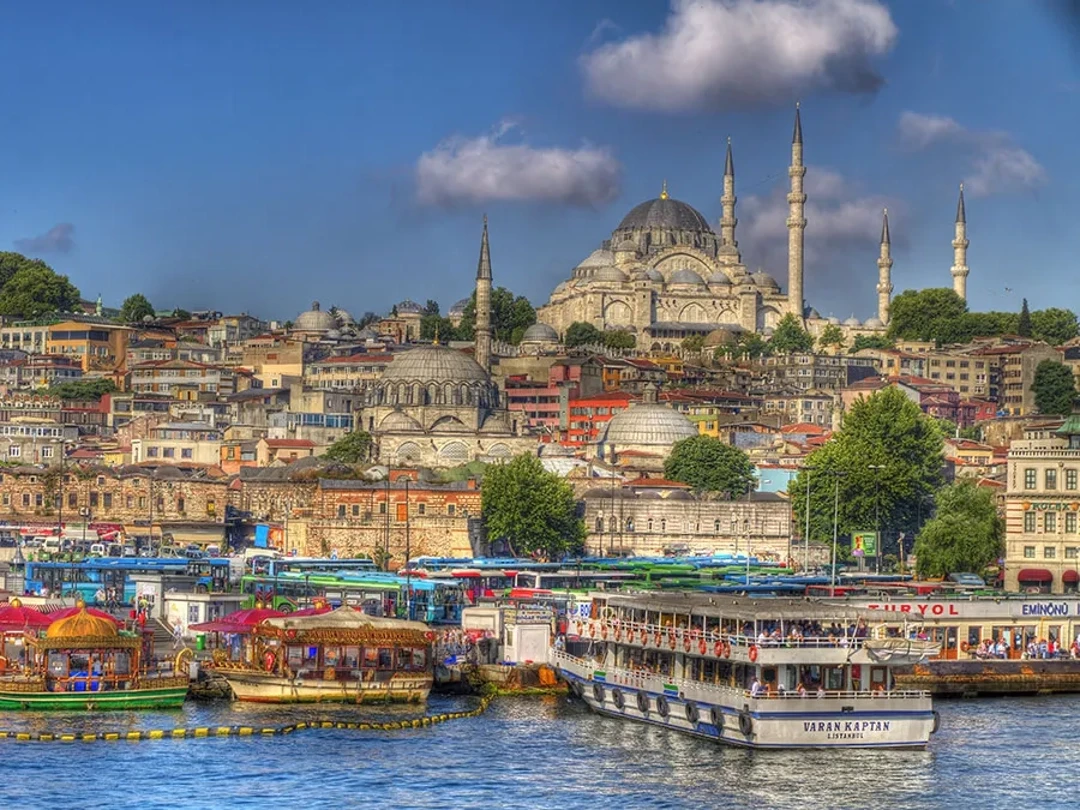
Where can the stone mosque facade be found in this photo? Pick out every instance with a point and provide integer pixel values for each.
(665, 274)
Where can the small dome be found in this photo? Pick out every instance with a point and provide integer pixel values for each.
(626, 246)
(719, 277)
(314, 320)
(82, 625)
(609, 274)
(540, 333)
(599, 258)
(652, 274)
(852, 321)
(685, 276)
(720, 337)
(833, 320)
(560, 286)
(437, 364)
(664, 212)
(813, 314)
(459, 307)
(648, 424)
(763, 279)
(410, 307)
(874, 323)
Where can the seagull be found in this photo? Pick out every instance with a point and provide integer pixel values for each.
(1008, 289)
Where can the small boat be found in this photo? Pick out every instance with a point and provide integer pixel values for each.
(85, 662)
(341, 656)
(767, 673)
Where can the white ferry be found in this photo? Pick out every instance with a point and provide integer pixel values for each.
(766, 673)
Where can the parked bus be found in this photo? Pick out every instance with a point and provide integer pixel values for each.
(90, 578)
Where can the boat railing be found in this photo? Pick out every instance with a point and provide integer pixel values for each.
(837, 694)
(698, 640)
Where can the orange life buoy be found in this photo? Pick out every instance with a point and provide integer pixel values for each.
(727, 650)
(656, 639)
(964, 646)
(718, 649)
(686, 643)
(592, 631)
(578, 626)
(603, 632)
(671, 640)
(618, 634)
(752, 653)
(630, 636)
(702, 646)
(269, 660)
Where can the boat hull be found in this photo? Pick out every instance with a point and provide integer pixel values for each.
(170, 697)
(727, 717)
(261, 687)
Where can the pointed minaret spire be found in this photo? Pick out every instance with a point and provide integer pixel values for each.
(483, 303)
(884, 263)
(960, 245)
(796, 221)
(663, 191)
(729, 248)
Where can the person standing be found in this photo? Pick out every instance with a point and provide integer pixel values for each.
(178, 635)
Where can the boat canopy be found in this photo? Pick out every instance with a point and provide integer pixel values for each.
(344, 618)
(717, 606)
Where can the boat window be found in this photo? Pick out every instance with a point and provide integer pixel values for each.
(351, 658)
(386, 658)
(834, 679)
(57, 664)
(331, 656)
(419, 658)
(371, 657)
(295, 657)
(122, 663)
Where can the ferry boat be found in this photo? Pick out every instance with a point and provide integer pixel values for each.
(85, 662)
(768, 673)
(342, 656)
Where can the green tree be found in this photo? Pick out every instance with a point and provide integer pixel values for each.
(1054, 325)
(352, 448)
(432, 326)
(886, 461)
(367, 319)
(709, 465)
(619, 339)
(83, 389)
(135, 308)
(532, 509)
(831, 335)
(35, 289)
(580, 333)
(1054, 388)
(923, 314)
(182, 314)
(510, 316)
(789, 336)
(431, 307)
(965, 534)
(11, 263)
(1023, 324)
(871, 342)
(693, 343)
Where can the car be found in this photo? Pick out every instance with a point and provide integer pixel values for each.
(966, 579)
(97, 549)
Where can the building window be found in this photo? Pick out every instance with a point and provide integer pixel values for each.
(450, 509)
(142, 501)
(421, 509)
(26, 499)
(629, 524)
(93, 500)
(185, 452)
(1072, 552)
(169, 452)
(14, 451)
(599, 525)
(1070, 522)
(38, 499)
(341, 510)
(382, 508)
(1050, 522)
(1030, 478)
(1049, 552)
(663, 524)
(356, 510)
(73, 500)
(129, 501)
(106, 500)
(151, 452)
(1029, 522)
(46, 452)
(1029, 552)
(1051, 479)
(1070, 478)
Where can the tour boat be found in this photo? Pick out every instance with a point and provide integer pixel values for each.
(85, 662)
(342, 656)
(767, 673)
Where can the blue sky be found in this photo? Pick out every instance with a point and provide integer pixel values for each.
(258, 155)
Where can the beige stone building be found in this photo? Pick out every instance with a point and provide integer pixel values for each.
(1042, 509)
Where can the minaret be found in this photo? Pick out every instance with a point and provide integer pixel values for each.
(727, 204)
(483, 303)
(796, 220)
(960, 246)
(884, 264)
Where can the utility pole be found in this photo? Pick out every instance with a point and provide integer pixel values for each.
(836, 474)
(806, 534)
(408, 555)
(877, 515)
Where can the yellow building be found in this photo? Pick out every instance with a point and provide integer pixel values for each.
(100, 347)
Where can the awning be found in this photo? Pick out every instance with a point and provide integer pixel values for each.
(1070, 576)
(1035, 575)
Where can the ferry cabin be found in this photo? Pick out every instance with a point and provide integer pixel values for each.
(758, 673)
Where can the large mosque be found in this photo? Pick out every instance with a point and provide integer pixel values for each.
(665, 274)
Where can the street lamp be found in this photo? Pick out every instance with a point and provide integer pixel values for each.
(877, 517)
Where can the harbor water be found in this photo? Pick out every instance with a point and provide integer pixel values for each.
(544, 752)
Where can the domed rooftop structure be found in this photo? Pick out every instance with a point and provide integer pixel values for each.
(874, 323)
(433, 364)
(720, 337)
(408, 306)
(599, 258)
(314, 320)
(626, 245)
(648, 424)
(852, 321)
(719, 277)
(609, 274)
(833, 320)
(763, 279)
(540, 333)
(685, 276)
(813, 314)
(82, 625)
(664, 212)
(652, 274)
(459, 307)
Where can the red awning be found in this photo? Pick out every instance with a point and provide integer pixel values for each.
(14, 617)
(240, 621)
(65, 613)
(1070, 576)
(1035, 575)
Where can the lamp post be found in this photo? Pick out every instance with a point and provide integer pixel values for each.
(837, 475)
(877, 516)
(408, 552)
(806, 534)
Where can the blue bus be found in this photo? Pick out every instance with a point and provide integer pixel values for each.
(91, 578)
(275, 566)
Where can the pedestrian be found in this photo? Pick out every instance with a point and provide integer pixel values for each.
(178, 635)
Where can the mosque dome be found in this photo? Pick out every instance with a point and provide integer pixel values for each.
(874, 323)
(409, 307)
(540, 333)
(833, 320)
(664, 212)
(652, 274)
(598, 258)
(82, 625)
(720, 337)
(719, 277)
(648, 424)
(433, 364)
(852, 321)
(813, 315)
(558, 287)
(459, 307)
(609, 274)
(314, 320)
(685, 276)
(762, 279)
(626, 246)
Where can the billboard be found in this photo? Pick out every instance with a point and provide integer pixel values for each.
(864, 544)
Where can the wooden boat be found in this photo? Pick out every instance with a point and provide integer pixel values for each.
(342, 656)
(85, 662)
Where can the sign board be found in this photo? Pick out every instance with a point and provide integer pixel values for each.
(864, 544)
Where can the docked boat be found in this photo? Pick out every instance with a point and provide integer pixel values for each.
(768, 673)
(342, 656)
(85, 662)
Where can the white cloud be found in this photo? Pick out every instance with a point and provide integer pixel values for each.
(474, 170)
(998, 165)
(718, 53)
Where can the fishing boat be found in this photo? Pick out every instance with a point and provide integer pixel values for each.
(85, 662)
(342, 656)
(767, 673)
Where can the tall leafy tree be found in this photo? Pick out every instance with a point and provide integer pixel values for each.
(831, 335)
(965, 534)
(35, 289)
(922, 314)
(83, 389)
(871, 342)
(432, 326)
(1054, 325)
(11, 263)
(510, 316)
(1023, 323)
(789, 336)
(580, 333)
(135, 308)
(619, 339)
(431, 307)
(1054, 388)
(352, 448)
(709, 465)
(885, 463)
(532, 509)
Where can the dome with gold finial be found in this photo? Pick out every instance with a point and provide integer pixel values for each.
(81, 625)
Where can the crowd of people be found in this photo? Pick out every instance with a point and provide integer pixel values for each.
(1036, 648)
